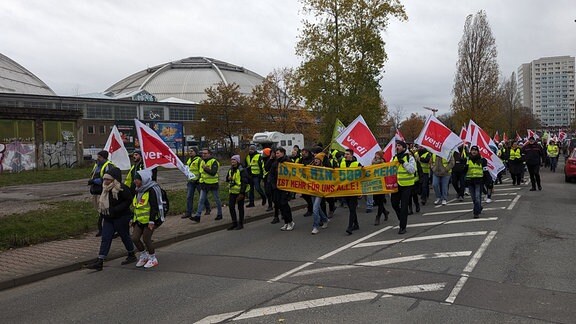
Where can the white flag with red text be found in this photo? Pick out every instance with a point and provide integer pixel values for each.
(477, 131)
(561, 136)
(358, 137)
(532, 133)
(495, 165)
(155, 152)
(437, 138)
(118, 154)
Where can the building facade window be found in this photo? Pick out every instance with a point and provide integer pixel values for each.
(91, 130)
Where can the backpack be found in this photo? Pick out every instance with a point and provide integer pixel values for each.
(165, 201)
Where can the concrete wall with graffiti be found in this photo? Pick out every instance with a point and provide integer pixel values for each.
(17, 156)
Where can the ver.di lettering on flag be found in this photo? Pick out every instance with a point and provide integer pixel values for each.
(437, 138)
(157, 153)
(358, 137)
(118, 153)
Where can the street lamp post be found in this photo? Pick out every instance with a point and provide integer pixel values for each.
(433, 110)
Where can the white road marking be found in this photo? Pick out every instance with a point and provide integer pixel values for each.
(514, 202)
(329, 301)
(470, 267)
(470, 202)
(420, 238)
(458, 221)
(418, 257)
(461, 211)
(327, 255)
(513, 188)
(505, 194)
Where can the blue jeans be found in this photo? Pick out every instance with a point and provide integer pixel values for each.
(109, 227)
(319, 216)
(204, 199)
(255, 186)
(193, 186)
(476, 194)
(440, 184)
(553, 163)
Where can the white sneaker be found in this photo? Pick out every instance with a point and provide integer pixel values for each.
(325, 225)
(488, 200)
(290, 226)
(152, 262)
(284, 227)
(315, 230)
(444, 202)
(437, 201)
(143, 259)
(466, 192)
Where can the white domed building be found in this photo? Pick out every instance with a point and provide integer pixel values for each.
(14, 78)
(185, 80)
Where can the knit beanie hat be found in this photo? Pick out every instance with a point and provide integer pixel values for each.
(236, 158)
(402, 143)
(103, 154)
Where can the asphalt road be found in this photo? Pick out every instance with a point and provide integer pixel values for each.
(514, 264)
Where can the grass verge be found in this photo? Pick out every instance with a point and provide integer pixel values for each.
(44, 176)
(71, 219)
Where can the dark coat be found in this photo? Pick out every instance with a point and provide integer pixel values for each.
(121, 206)
(532, 153)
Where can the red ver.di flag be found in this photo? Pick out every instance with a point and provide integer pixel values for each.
(157, 153)
(118, 153)
(437, 138)
(358, 137)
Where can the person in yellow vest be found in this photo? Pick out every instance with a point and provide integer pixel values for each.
(406, 180)
(148, 216)
(476, 171)
(350, 162)
(255, 168)
(515, 164)
(239, 183)
(553, 152)
(193, 184)
(442, 172)
(137, 166)
(96, 179)
(208, 183)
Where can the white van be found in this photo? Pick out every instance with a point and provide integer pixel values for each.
(278, 139)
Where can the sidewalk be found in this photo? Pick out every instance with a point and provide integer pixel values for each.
(25, 265)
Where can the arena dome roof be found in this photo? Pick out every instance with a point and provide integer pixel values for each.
(187, 79)
(14, 78)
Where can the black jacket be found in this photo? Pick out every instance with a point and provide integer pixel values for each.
(121, 206)
(532, 154)
(273, 176)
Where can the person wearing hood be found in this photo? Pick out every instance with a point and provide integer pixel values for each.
(476, 171)
(239, 182)
(114, 207)
(137, 166)
(148, 216)
(100, 168)
(406, 179)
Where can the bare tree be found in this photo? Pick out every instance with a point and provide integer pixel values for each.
(510, 101)
(476, 82)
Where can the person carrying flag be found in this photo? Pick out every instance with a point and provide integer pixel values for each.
(476, 172)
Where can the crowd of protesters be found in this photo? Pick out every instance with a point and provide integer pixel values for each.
(137, 201)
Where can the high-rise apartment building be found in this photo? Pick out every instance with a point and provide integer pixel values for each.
(546, 86)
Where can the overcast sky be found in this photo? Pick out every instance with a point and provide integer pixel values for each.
(81, 46)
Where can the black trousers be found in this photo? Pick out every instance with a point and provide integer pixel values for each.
(400, 201)
(232, 208)
(534, 171)
(379, 201)
(281, 199)
(352, 215)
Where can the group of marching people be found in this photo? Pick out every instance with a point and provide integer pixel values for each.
(137, 202)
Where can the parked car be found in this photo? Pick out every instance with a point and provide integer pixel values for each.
(570, 167)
